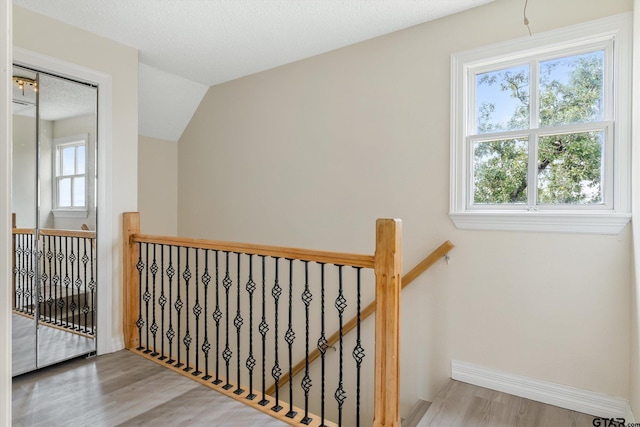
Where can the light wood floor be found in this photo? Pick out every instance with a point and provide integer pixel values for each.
(461, 404)
(54, 345)
(123, 389)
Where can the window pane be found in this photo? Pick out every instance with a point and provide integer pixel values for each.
(68, 160)
(500, 171)
(81, 159)
(570, 168)
(78, 192)
(502, 100)
(64, 193)
(571, 89)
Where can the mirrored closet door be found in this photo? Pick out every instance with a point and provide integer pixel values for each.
(54, 204)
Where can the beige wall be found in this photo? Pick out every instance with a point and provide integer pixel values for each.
(62, 42)
(158, 186)
(310, 153)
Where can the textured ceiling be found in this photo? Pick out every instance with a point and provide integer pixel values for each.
(212, 41)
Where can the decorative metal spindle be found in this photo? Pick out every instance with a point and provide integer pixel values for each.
(289, 337)
(226, 354)
(178, 305)
(307, 297)
(140, 321)
(85, 307)
(237, 322)
(187, 337)
(170, 332)
(72, 259)
(276, 372)
(154, 324)
(217, 315)
(67, 281)
(358, 351)
(44, 280)
(146, 297)
(341, 304)
(78, 284)
(50, 264)
(197, 311)
(264, 328)
(56, 281)
(251, 361)
(32, 274)
(16, 263)
(206, 346)
(322, 345)
(163, 302)
(92, 287)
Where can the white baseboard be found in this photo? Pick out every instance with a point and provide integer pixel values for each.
(563, 396)
(628, 415)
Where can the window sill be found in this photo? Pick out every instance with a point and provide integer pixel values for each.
(566, 222)
(70, 213)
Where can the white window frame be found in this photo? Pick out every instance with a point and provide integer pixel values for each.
(58, 145)
(611, 34)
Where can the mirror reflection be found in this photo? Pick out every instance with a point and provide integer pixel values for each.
(54, 204)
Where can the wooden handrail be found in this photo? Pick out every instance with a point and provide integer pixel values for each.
(338, 258)
(415, 272)
(56, 232)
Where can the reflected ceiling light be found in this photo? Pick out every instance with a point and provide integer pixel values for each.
(25, 81)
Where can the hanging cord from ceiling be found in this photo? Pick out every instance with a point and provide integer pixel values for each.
(526, 20)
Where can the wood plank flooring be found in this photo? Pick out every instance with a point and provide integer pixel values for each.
(461, 404)
(123, 389)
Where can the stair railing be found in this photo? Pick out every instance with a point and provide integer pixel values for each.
(213, 311)
(407, 279)
(56, 271)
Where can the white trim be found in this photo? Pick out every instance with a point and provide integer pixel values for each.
(628, 415)
(563, 396)
(581, 219)
(106, 240)
(5, 210)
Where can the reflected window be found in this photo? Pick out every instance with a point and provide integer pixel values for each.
(70, 167)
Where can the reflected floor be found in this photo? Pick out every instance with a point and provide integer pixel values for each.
(54, 345)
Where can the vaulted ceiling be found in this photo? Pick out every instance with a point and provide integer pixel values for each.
(188, 45)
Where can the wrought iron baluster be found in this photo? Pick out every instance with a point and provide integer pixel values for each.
(197, 311)
(42, 306)
(85, 307)
(187, 337)
(140, 321)
(206, 346)
(217, 315)
(78, 284)
(67, 281)
(33, 253)
(92, 287)
(154, 324)
(71, 256)
(289, 337)
(56, 281)
(170, 332)
(237, 322)
(322, 345)
(226, 354)
(178, 306)
(358, 351)
(163, 302)
(146, 296)
(276, 372)
(251, 361)
(264, 328)
(307, 297)
(340, 304)
(46, 277)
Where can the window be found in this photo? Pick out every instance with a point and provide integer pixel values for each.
(540, 132)
(71, 174)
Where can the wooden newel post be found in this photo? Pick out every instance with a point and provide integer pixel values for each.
(131, 289)
(388, 269)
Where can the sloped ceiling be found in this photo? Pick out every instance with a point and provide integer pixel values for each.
(188, 45)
